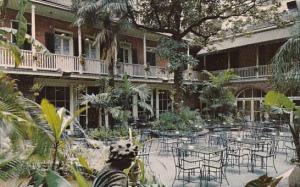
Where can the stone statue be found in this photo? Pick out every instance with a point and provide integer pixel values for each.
(121, 156)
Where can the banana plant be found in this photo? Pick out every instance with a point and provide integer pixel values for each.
(58, 122)
(282, 102)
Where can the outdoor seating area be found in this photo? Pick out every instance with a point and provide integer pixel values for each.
(207, 159)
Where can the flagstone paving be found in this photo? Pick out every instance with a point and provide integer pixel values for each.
(162, 166)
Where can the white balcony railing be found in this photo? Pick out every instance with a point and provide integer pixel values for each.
(258, 71)
(67, 3)
(71, 64)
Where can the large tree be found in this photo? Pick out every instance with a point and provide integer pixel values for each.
(201, 20)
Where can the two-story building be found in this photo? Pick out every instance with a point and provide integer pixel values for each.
(50, 23)
(250, 57)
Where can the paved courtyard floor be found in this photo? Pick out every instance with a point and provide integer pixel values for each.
(162, 166)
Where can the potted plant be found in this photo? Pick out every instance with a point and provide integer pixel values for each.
(36, 89)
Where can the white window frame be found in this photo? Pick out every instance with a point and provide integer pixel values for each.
(126, 46)
(70, 38)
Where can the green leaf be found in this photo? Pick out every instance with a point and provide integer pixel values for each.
(277, 99)
(52, 118)
(80, 179)
(84, 163)
(53, 179)
(22, 23)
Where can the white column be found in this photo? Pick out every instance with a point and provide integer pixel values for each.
(157, 104)
(72, 103)
(204, 62)
(257, 60)
(80, 49)
(152, 102)
(252, 110)
(106, 119)
(34, 67)
(135, 113)
(116, 57)
(292, 117)
(145, 52)
(228, 62)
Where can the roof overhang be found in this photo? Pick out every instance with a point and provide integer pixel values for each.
(258, 36)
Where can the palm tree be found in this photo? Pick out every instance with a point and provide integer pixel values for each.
(286, 66)
(116, 101)
(286, 79)
(101, 14)
(216, 95)
(22, 119)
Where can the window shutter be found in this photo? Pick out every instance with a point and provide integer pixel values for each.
(75, 46)
(134, 56)
(50, 41)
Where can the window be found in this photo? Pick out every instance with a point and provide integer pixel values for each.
(151, 58)
(26, 45)
(165, 102)
(63, 43)
(58, 96)
(90, 50)
(143, 113)
(292, 5)
(125, 53)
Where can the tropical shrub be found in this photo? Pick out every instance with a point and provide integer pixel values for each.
(187, 119)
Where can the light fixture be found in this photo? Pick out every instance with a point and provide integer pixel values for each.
(87, 39)
(63, 34)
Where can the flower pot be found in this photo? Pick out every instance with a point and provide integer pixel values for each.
(294, 179)
(36, 94)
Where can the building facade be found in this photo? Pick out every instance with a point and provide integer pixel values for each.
(250, 57)
(61, 72)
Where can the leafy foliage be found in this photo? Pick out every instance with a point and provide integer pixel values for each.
(101, 14)
(264, 181)
(20, 35)
(116, 101)
(215, 94)
(187, 119)
(286, 65)
(176, 53)
(279, 100)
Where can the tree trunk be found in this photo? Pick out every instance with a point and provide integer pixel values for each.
(178, 94)
(111, 74)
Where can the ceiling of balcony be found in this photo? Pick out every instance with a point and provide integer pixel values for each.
(47, 9)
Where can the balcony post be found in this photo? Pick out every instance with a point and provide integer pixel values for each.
(189, 66)
(135, 107)
(145, 53)
(33, 35)
(257, 60)
(116, 59)
(204, 62)
(80, 50)
(228, 62)
(72, 101)
(157, 103)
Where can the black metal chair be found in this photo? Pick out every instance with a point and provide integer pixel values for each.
(215, 165)
(145, 151)
(263, 154)
(236, 155)
(186, 164)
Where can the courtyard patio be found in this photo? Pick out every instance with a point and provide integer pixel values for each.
(165, 164)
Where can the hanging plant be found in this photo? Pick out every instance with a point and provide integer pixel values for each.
(81, 60)
(147, 68)
(36, 89)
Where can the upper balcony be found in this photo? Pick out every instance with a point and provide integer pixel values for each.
(254, 73)
(58, 65)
